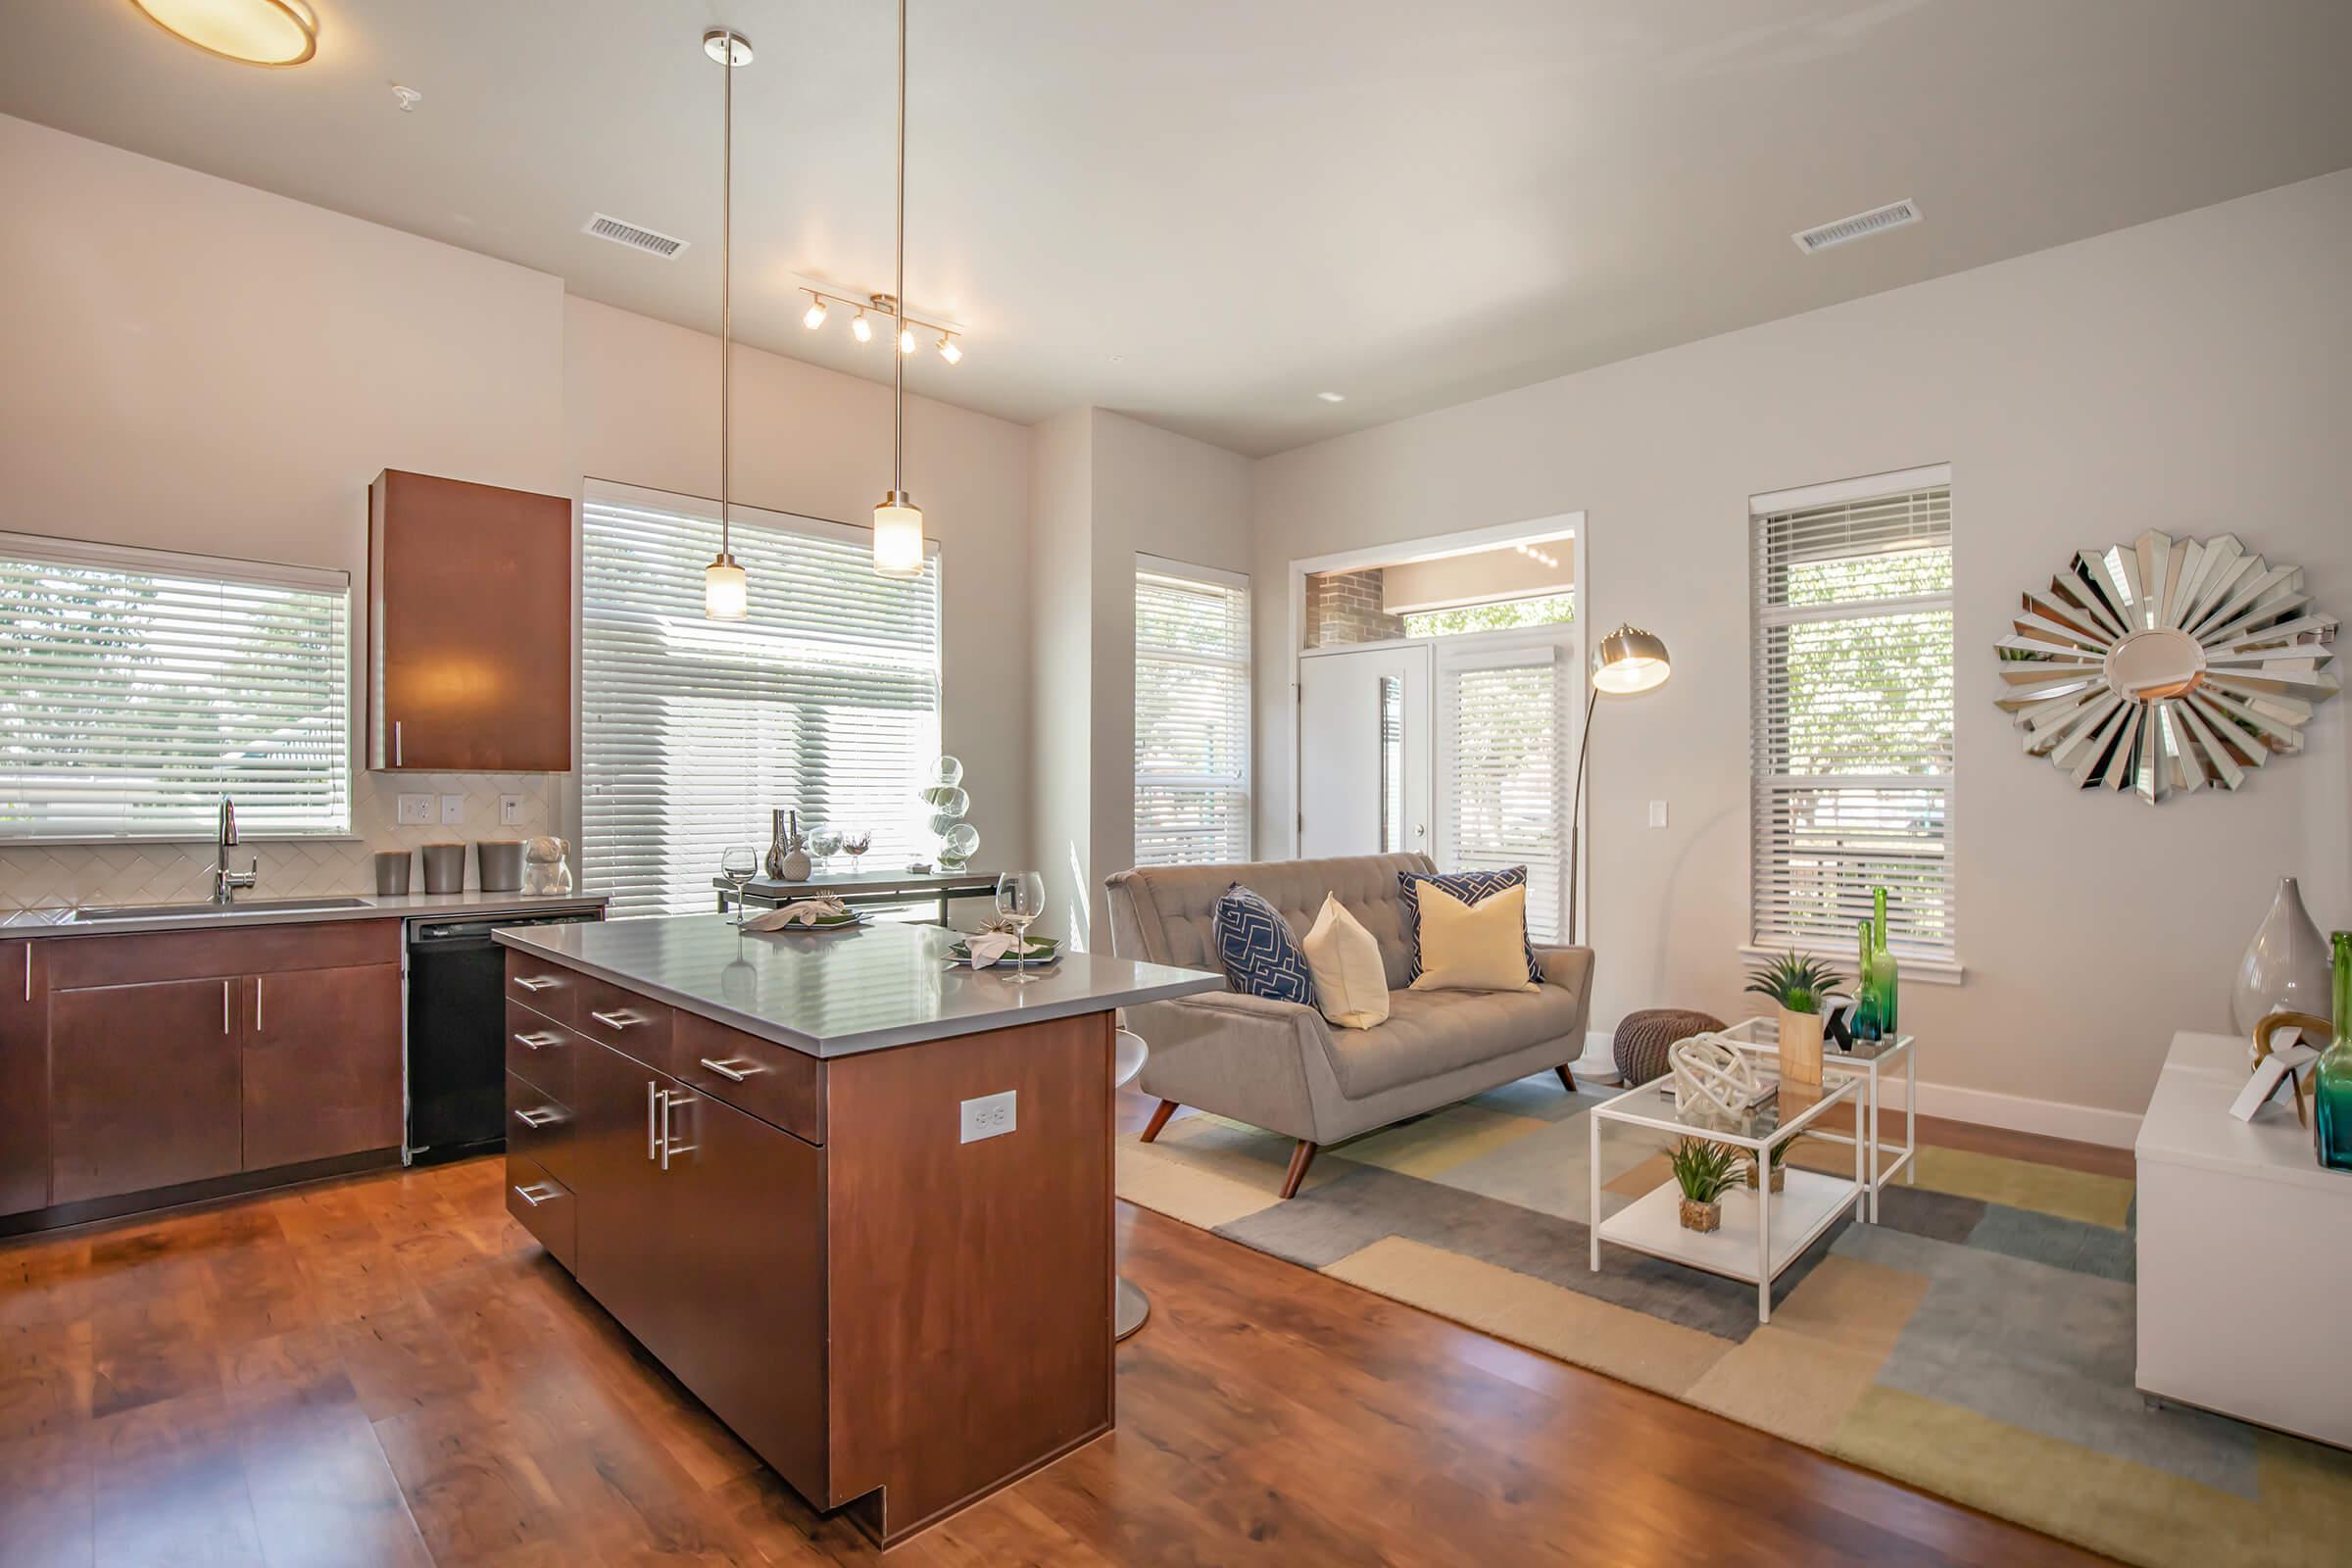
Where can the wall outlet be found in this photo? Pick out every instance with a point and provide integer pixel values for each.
(416, 811)
(509, 810)
(453, 809)
(989, 1116)
(1657, 814)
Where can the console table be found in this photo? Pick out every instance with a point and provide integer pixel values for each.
(2240, 1237)
(863, 889)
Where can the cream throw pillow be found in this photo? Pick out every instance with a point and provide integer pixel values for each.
(1472, 947)
(1352, 985)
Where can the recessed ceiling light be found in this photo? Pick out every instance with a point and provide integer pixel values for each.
(256, 32)
(1333, 397)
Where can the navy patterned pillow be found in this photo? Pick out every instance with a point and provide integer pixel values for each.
(1261, 958)
(1471, 887)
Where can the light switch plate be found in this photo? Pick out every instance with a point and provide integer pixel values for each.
(1657, 814)
(452, 809)
(416, 811)
(989, 1116)
(509, 810)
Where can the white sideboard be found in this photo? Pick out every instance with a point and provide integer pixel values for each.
(2245, 1251)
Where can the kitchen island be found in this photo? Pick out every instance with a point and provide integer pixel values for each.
(858, 1200)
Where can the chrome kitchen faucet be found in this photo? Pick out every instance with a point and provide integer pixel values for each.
(224, 881)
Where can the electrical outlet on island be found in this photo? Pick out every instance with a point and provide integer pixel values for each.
(989, 1116)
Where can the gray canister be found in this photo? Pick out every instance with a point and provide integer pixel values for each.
(501, 862)
(392, 870)
(444, 868)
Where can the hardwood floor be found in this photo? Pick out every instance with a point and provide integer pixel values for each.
(385, 1370)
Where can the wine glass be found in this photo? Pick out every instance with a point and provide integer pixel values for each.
(857, 841)
(1020, 898)
(739, 864)
(825, 844)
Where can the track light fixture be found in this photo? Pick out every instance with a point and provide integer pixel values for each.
(912, 328)
(816, 313)
(859, 329)
(947, 350)
(905, 340)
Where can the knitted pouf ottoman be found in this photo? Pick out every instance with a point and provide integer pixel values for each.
(1644, 1037)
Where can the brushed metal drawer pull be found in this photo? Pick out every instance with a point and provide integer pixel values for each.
(653, 1120)
(623, 1020)
(538, 1040)
(669, 1144)
(396, 748)
(225, 1006)
(257, 1004)
(539, 1193)
(538, 1118)
(729, 1070)
(533, 983)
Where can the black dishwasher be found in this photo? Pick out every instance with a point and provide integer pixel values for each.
(456, 1056)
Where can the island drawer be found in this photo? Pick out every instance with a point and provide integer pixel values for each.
(541, 1052)
(627, 1023)
(543, 987)
(780, 1086)
(539, 1126)
(543, 1206)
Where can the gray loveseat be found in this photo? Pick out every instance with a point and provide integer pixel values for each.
(1277, 1064)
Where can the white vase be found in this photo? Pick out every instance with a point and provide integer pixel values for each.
(2285, 966)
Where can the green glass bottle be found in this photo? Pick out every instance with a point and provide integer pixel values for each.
(1882, 966)
(1864, 1023)
(2331, 1086)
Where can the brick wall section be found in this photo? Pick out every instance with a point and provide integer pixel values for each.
(1344, 606)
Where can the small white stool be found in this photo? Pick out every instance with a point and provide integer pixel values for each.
(1130, 1305)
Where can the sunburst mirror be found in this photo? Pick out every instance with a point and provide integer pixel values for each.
(2164, 664)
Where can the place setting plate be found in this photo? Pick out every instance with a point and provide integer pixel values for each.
(1039, 952)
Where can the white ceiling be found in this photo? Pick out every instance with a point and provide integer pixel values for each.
(1203, 213)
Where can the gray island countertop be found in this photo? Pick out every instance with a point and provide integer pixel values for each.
(838, 992)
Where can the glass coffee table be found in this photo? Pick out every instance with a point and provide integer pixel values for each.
(1874, 1061)
(1763, 1230)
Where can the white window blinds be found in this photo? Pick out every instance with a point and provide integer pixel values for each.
(1852, 721)
(1503, 774)
(137, 687)
(1192, 714)
(826, 700)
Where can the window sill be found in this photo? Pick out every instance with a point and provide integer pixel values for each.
(1928, 971)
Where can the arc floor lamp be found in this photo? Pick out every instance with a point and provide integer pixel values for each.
(1627, 663)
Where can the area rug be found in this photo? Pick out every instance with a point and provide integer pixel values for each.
(1977, 1341)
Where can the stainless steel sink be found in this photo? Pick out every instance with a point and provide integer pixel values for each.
(158, 912)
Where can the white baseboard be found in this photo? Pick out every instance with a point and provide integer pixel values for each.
(2051, 1118)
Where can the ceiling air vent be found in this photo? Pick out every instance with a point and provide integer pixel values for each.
(1861, 226)
(634, 237)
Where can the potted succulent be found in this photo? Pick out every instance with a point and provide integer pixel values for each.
(1704, 1170)
(1801, 985)
(1777, 1162)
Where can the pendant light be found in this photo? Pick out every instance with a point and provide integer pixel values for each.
(726, 592)
(897, 520)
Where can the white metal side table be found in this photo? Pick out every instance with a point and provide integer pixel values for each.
(1873, 1061)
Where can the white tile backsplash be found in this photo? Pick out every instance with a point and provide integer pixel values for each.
(65, 875)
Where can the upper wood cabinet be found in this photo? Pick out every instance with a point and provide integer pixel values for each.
(469, 595)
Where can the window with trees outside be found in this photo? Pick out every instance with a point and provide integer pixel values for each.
(1192, 714)
(1852, 738)
(137, 686)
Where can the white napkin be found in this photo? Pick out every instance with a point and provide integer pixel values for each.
(987, 947)
(804, 911)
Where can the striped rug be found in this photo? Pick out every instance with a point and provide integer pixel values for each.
(1975, 1342)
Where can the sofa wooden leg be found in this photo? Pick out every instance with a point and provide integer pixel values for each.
(1160, 1118)
(1567, 1078)
(1301, 1158)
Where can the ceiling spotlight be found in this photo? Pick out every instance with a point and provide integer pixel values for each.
(1333, 397)
(860, 328)
(816, 313)
(905, 340)
(947, 350)
(258, 32)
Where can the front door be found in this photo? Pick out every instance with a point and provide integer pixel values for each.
(1364, 734)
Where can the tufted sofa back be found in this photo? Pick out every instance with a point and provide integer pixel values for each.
(1166, 913)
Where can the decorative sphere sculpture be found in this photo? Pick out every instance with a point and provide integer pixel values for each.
(1708, 1072)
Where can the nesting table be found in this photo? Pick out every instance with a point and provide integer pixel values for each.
(1872, 1061)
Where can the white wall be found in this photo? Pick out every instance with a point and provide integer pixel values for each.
(2194, 375)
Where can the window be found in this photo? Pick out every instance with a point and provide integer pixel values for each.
(826, 700)
(1507, 614)
(1502, 774)
(1852, 715)
(1192, 714)
(137, 687)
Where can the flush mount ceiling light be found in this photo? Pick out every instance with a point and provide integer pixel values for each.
(253, 32)
(1333, 397)
(897, 520)
(819, 299)
(726, 592)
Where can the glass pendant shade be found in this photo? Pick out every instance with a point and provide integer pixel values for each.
(897, 536)
(259, 33)
(1630, 660)
(726, 592)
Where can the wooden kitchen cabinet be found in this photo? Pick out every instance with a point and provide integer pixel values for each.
(627, 1247)
(321, 1063)
(143, 1087)
(23, 1080)
(469, 599)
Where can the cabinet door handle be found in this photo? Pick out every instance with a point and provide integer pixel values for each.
(225, 1006)
(734, 1069)
(623, 1020)
(533, 983)
(537, 1040)
(538, 1193)
(669, 1144)
(653, 1121)
(396, 743)
(538, 1118)
(29, 971)
(257, 1004)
